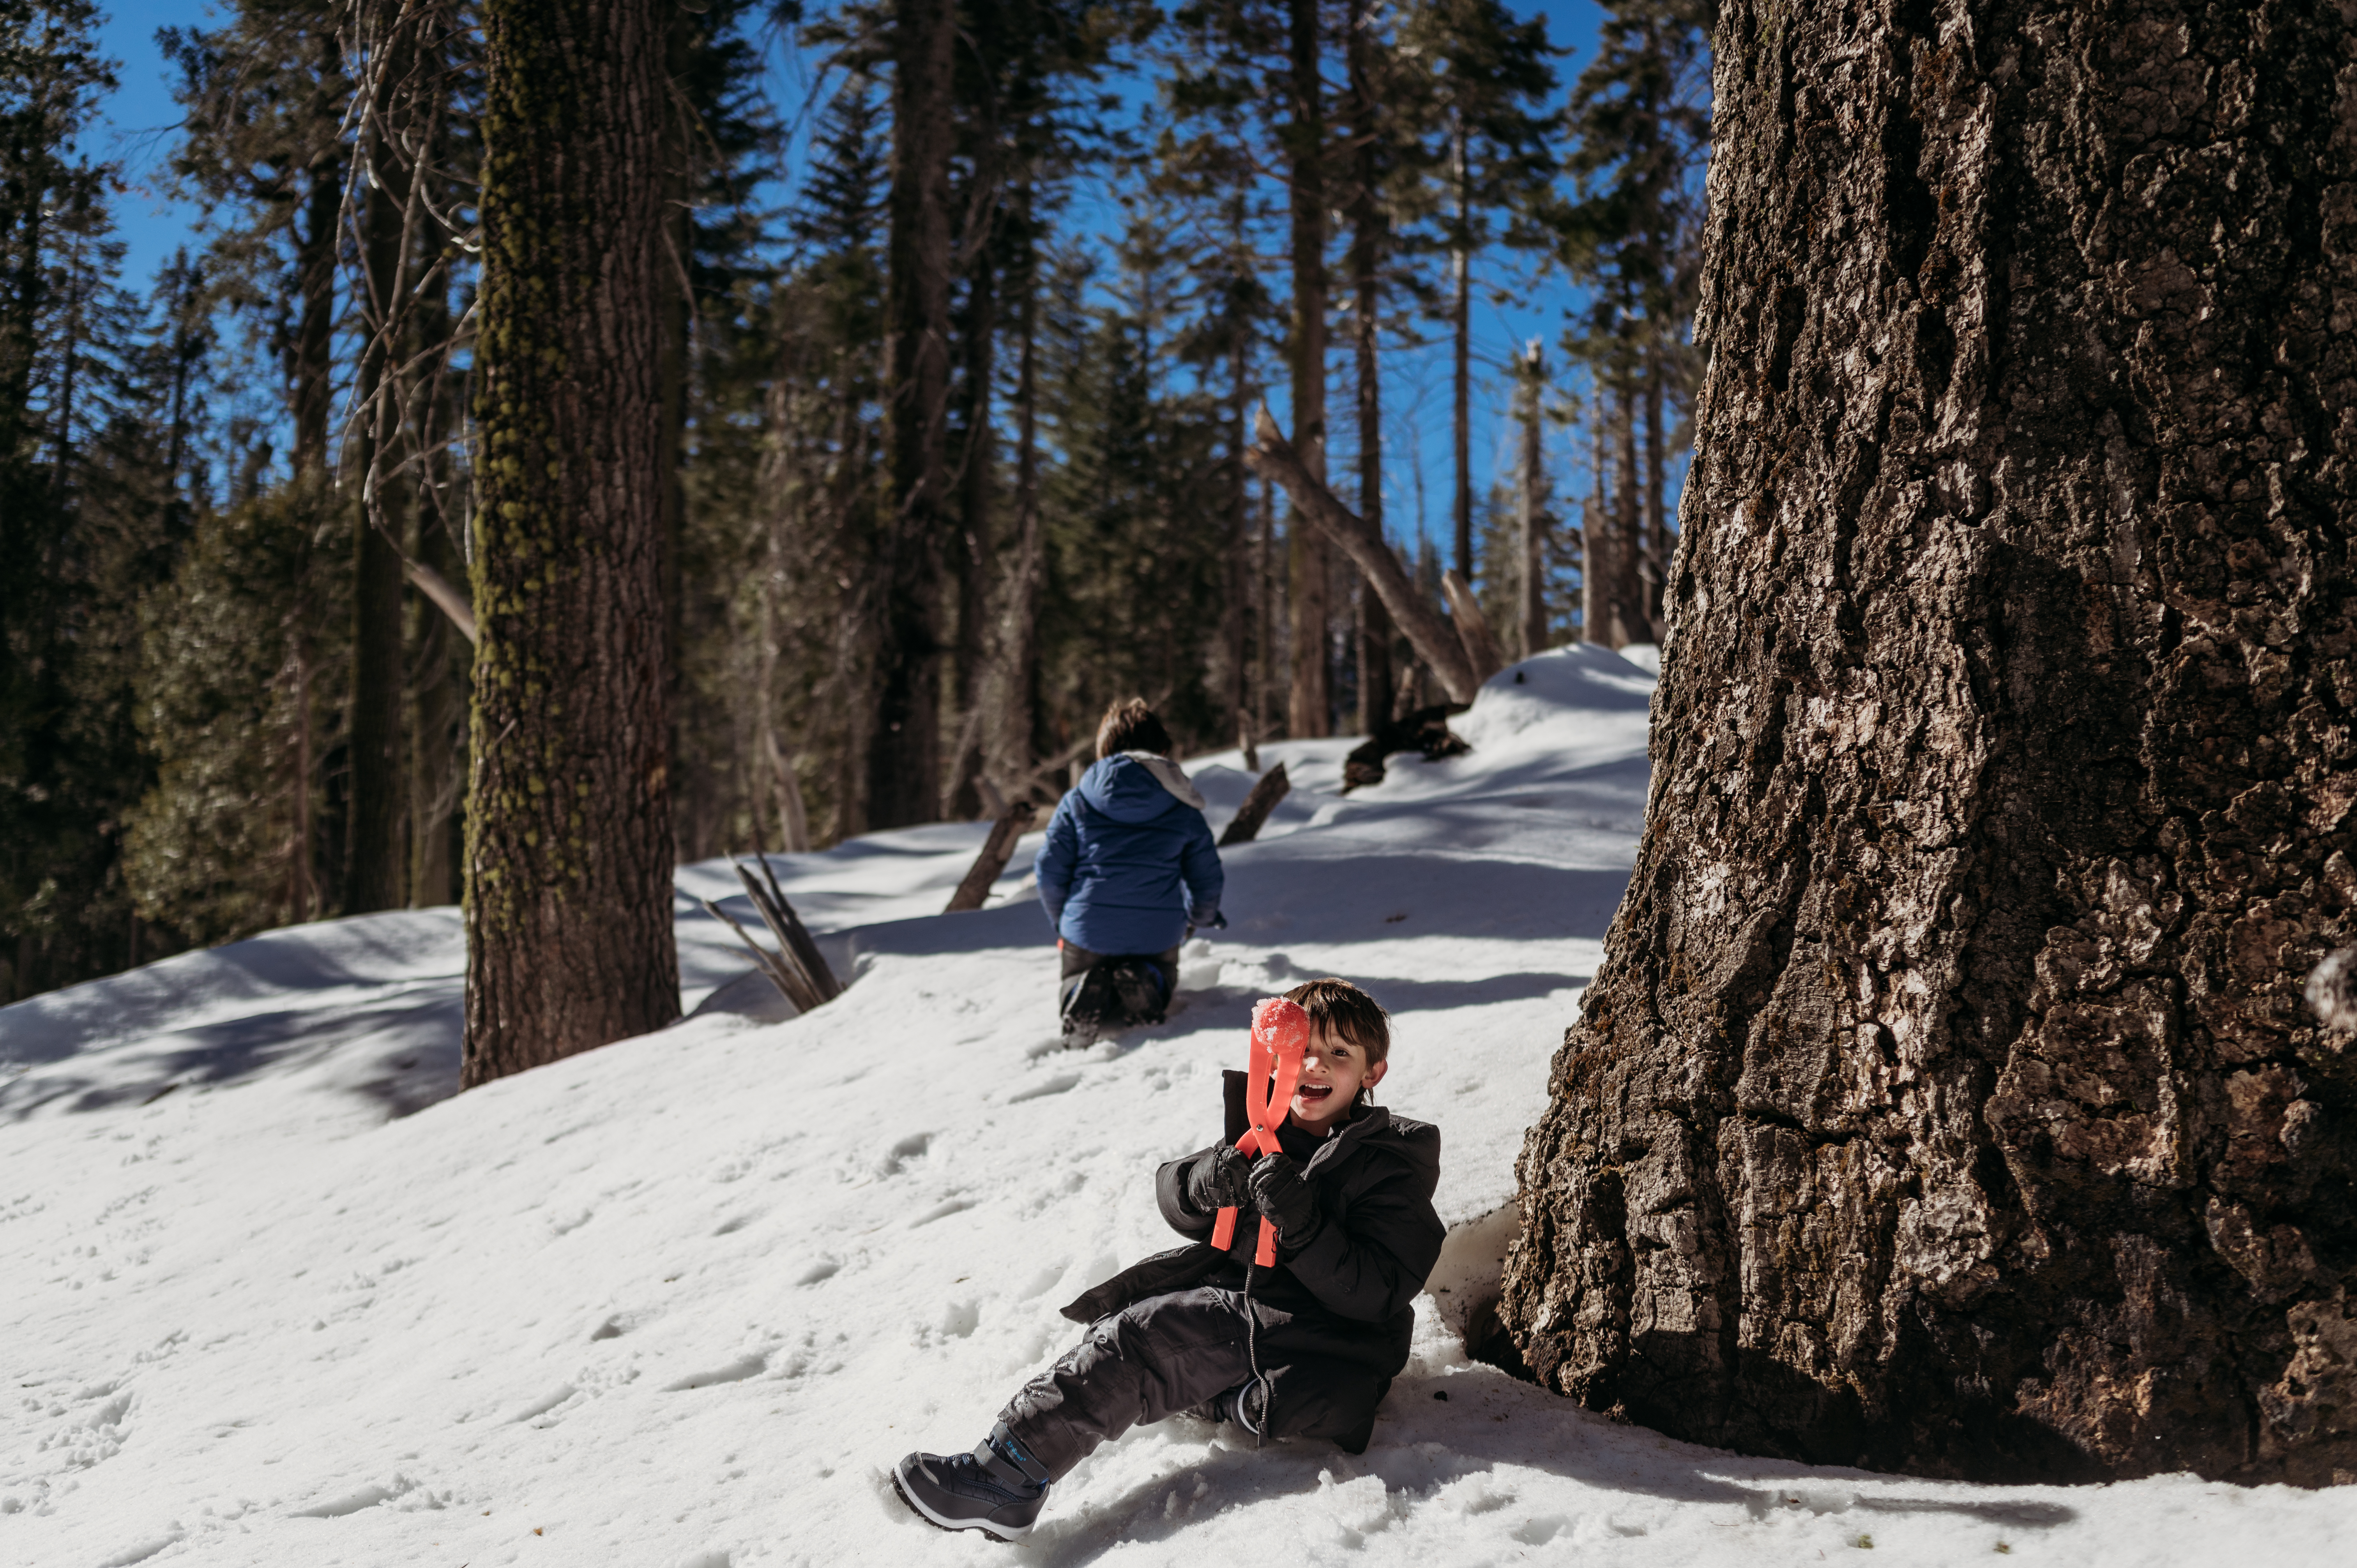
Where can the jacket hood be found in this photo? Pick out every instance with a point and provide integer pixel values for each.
(1137, 787)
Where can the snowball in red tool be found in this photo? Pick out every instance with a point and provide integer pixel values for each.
(1280, 1025)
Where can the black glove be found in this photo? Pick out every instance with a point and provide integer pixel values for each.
(1221, 1179)
(1284, 1198)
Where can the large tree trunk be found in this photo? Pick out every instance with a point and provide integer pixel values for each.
(1306, 706)
(904, 762)
(1944, 1101)
(569, 836)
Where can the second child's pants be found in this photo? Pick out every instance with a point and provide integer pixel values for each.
(1166, 1353)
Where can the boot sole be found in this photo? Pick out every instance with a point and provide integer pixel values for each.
(1008, 1534)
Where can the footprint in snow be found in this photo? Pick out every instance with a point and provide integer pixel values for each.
(1062, 1083)
(915, 1147)
(735, 1372)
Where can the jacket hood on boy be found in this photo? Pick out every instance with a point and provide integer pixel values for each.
(1137, 787)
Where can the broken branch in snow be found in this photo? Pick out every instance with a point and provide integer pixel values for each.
(787, 926)
(1011, 825)
(1272, 456)
(1272, 788)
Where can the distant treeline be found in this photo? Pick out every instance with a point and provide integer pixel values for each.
(952, 433)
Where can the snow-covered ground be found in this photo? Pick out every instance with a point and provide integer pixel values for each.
(270, 1293)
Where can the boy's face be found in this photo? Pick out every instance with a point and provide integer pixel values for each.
(1333, 1070)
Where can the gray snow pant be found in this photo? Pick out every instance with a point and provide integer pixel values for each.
(1163, 1354)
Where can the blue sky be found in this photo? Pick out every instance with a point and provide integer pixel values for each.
(139, 132)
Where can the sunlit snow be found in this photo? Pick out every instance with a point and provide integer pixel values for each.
(271, 1294)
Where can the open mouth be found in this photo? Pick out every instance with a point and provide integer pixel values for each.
(1313, 1092)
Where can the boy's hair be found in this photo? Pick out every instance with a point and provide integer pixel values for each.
(1130, 725)
(1341, 1008)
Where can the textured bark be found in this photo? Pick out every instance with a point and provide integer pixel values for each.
(1307, 703)
(904, 761)
(568, 810)
(1944, 1101)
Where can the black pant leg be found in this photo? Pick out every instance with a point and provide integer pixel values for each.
(1152, 1359)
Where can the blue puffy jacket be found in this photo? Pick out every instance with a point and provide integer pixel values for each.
(1120, 846)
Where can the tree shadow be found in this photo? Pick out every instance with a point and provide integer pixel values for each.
(1491, 1422)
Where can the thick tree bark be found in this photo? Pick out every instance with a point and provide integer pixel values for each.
(568, 831)
(904, 761)
(1307, 704)
(1944, 1101)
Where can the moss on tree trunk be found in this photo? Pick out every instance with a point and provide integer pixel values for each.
(568, 829)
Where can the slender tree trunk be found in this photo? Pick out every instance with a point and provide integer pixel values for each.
(1264, 643)
(375, 876)
(1530, 523)
(569, 833)
(1369, 233)
(1460, 342)
(316, 248)
(1657, 542)
(1945, 1101)
(1596, 555)
(904, 764)
(1308, 705)
(1237, 615)
(1630, 621)
(1010, 716)
(975, 544)
(302, 892)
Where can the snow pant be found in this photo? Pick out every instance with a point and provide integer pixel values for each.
(1163, 1354)
(1078, 960)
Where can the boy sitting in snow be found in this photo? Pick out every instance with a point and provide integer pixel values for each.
(1304, 1349)
(1128, 865)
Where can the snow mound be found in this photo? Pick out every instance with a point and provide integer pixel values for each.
(684, 1299)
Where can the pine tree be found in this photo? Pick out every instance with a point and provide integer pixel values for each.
(569, 836)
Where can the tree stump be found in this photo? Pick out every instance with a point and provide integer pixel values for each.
(1944, 1101)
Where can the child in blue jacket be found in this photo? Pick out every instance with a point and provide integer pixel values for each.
(1128, 869)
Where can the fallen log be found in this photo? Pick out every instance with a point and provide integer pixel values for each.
(1012, 824)
(1271, 788)
(1472, 629)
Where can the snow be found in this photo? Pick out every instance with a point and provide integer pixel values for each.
(275, 1296)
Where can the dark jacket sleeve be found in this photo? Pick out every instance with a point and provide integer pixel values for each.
(1200, 868)
(1170, 1196)
(1053, 865)
(1372, 1266)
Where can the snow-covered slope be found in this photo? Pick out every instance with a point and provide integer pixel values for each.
(270, 1294)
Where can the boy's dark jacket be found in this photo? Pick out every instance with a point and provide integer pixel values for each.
(1355, 1278)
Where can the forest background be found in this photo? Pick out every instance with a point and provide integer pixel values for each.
(1458, 239)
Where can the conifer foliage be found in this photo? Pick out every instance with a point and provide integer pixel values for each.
(958, 334)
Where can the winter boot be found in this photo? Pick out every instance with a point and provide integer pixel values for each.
(1091, 1006)
(998, 1488)
(1138, 984)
